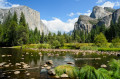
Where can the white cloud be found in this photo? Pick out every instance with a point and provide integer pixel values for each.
(78, 13)
(110, 4)
(117, 4)
(100, 1)
(15, 5)
(88, 13)
(6, 4)
(56, 25)
(71, 14)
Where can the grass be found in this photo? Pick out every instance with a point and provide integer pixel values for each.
(71, 71)
(89, 72)
(108, 49)
(40, 46)
(81, 46)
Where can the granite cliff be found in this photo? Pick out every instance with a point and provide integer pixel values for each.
(99, 16)
(32, 17)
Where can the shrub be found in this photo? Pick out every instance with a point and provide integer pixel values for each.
(100, 40)
(89, 48)
(43, 46)
(116, 42)
(115, 67)
(89, 72)
(55, 44)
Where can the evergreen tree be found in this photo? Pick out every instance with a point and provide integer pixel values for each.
(42, 38)
(24, 32)
(1, 33)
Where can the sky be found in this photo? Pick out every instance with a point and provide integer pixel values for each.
(60, 15)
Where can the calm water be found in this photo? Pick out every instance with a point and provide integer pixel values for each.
(13, 59)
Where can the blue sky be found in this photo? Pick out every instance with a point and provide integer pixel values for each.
(61, 14)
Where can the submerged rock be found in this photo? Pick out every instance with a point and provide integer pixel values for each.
(64, 75)
(51, 72)
(45, 65)
(48, 67)
(17, 64)
(70, 63)
(6, 65)
(17, 72)
(42, 67)
(28, 74)
(49, 62)
(26, 66)
(104, 66)
(1, 64)
(3, 55)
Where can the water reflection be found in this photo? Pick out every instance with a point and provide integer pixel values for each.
(30, 64)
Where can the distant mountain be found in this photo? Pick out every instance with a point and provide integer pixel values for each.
(70, 33)
(99, 16)
(32, 17)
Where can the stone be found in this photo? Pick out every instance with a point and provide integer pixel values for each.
(70, 63)
(51, 72)
(104, 66)
(64, 75)
(17, 64)
(1, 64)
(50, 62)
(3, 55)
(17, 72)
(28, 74)
(32, 17)
(6, 65)
(42, 67)
(48, 67)
(25, 66)
(45, 65)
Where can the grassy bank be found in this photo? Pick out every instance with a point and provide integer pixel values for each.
(81, 46)
(109, 49)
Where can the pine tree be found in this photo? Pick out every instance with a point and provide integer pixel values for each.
(23, 30)
(42, 38)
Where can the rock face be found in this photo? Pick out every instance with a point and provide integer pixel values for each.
(85, 23)
(32, 17)
(99, 12)
(99, 16)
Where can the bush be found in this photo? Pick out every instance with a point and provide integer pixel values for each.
(115, 67)
(100, 40)
(89, 48)
(55, 44)
(89, 72)
(43, 46)
(116, 42)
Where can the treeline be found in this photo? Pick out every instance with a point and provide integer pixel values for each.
(15, 32)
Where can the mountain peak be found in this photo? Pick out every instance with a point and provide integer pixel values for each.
(100, 12)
